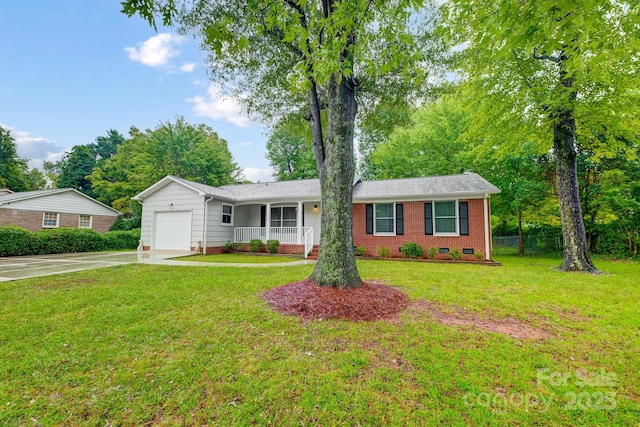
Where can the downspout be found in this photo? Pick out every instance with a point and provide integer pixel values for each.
(487, 229)
(141, 243)
(206, 223)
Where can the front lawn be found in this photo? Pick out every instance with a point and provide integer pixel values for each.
(241, 258)
(164, 345)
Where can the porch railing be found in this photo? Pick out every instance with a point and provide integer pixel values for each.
(308, 241)
(286, 235)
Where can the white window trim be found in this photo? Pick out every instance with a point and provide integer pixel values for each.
(281, 208)
(457, 216)
(90, 221)
(384, 233)
(233, 211)
(44, 214)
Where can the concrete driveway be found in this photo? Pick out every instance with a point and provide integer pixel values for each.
(23, 267)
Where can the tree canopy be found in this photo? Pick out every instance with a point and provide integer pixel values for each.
(14, 170)
(193, 152)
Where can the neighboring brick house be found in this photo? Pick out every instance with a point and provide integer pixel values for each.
(62, 207)
(445, 212)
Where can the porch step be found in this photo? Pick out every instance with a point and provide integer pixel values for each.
(314, 252)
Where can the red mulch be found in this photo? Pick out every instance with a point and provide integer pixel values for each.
(309, 301)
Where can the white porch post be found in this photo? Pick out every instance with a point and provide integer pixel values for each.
(267, 221)
(299, 222)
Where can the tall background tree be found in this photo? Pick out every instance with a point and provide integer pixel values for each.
(564, 71)
(290, 149)
(14, 170)
(322, 53)
(193, 152)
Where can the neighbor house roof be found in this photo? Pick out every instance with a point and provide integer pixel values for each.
(6, 199)
(464, 185)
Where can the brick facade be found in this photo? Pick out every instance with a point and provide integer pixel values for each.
(32, 220)
(414, 231)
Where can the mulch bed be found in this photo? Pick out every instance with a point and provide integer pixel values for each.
(309, 301)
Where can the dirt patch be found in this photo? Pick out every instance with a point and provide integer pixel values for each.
(508, 326)
(309, 301)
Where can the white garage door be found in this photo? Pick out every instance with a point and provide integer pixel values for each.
(173, 230)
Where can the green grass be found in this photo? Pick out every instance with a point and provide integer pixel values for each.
(161, 345)
(241, 258)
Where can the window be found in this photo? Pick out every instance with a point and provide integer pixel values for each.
(227, 214)
(445, 219)
(84, 221)
(448, 218)
(50, 219)
(284, 216)
(384, 219)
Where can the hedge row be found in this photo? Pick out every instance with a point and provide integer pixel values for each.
(16, 241)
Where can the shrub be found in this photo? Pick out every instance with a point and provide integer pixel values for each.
(228, 247)
(383, 251)
(456, 254)
(411, 250)
(239, 247)
(68, 240)
(431, 253)
(360, 250)
(125, 224)
(255, 245)
(16, 241)
(479, 256)
(121, 239)
(272, 246)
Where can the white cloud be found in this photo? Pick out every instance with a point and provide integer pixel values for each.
(246, 144)
(216, 106)
(36, 149)
(155, 51)
(188, 67)
(258, 175)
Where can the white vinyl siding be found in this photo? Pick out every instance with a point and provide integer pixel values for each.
(384, 219)
(445, 218)
(63, 202)
(50, 219)
(174, 197)
(84, 221)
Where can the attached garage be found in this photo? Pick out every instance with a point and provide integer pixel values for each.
(172, 230)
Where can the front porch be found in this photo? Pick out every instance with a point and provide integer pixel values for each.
(300, 236)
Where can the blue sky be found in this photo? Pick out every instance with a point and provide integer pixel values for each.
(73, 69)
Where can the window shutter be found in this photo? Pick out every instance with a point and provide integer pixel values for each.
(463, 207)
(399, 219)
(428, 219)
(369, 213)
(263, 216)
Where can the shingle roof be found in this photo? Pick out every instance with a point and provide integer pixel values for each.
(434, 186)
(469, 184)
(298, 189)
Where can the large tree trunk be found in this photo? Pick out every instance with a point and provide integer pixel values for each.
(576, 257)
(520, 235)
(336, 264)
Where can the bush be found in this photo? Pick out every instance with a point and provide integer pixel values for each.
(272, 246)
(411, 250)
(16, 241)
(125, 224)
(239, 247)
(360, 250)
(68, 240)
(383, 251)
(431, 253)
(228, 247)
(456, 254)
(255, 245)
(117, 240)
(479, 256)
